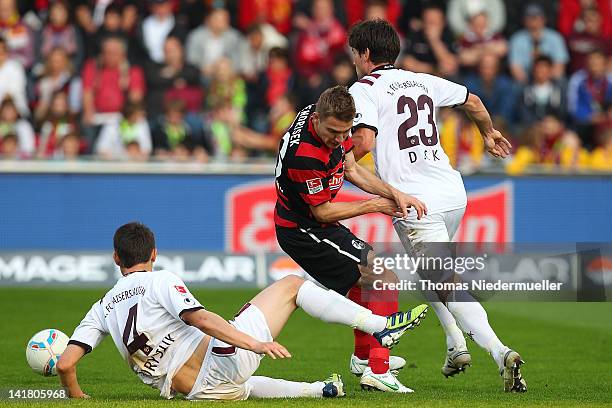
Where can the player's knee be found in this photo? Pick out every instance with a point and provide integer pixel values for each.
(292, 282)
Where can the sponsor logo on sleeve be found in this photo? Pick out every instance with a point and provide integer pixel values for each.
(180, 289)
(314, 185)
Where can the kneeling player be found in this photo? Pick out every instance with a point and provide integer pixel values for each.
(176, 346)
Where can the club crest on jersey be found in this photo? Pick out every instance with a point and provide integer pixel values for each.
(180, 289)
(358, 244)
(314, 185)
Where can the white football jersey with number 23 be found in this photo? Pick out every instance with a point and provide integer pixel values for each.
(400, 106)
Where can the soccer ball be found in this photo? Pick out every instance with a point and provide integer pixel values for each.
(44, 349)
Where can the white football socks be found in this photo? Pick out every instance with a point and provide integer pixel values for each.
(332, 307)
(454, 336)
(266, 387)
(472, 318)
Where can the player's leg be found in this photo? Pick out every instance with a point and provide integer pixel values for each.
(266, 387)
(229, 370)
(278, 301)
(380, 299)
(415, 236)
(472, 318)
(333, 256)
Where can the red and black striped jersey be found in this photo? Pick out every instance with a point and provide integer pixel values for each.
(307, 173)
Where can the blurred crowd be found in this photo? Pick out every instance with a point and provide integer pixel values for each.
(201, 80)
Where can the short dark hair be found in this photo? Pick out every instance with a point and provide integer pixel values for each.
(379, 37)
(336, 102)
(278, 52)
(543, 58)
(133, 242)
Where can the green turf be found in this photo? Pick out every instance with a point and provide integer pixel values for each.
(567, 346)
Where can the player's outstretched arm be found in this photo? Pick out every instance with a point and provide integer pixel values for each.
(66, 369)
(495, 143)
(368, 182)
(217, 327)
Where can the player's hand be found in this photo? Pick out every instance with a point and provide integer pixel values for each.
(496, 144)
(272, 349)
(388, 207)
(404, 201)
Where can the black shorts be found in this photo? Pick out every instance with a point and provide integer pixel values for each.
(331, 255)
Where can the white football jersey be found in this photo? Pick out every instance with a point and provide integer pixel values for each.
(401, 107)
(142, 313)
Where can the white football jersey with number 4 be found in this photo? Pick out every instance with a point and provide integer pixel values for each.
(142, 313)
(401, 107)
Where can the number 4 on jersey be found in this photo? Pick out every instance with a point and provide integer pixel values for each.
(140, 340)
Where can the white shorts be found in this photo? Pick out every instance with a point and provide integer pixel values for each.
(439, 227)
(429, 237)
(226, 369)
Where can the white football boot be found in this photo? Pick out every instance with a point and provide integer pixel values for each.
(358, 366)
(511, 373)
(382, 382)
(456, 361)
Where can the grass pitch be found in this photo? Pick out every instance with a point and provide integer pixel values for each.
(567, 347)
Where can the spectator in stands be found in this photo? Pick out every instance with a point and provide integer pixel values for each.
(227, 89)
(601, 157)
(260, 39)
(319, 41)
(108, 83)
(572, 16)
(459, 13)
(461, 140)
(281, 116)
(515, 12)
(156, 27)
(276, 13)
(9, 146)
(12, 123)
(113, 26)
(581, 43)
(17, 34)
(56, 76)
(535, 40)
(174, 138)
(274, 82)
(223, 122)
(304, 13)
(410, 20)
(551, 144)
(12, 80)
(174, 79)
(344, 71)
(590, 92)
(213, 40)
(389, 10)
(479, 39)
(544, 95)
(69, 147)
(130, 138)
(497, 91)
(432, 49)
(57, 124)
(59, 32)
(90, 14)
